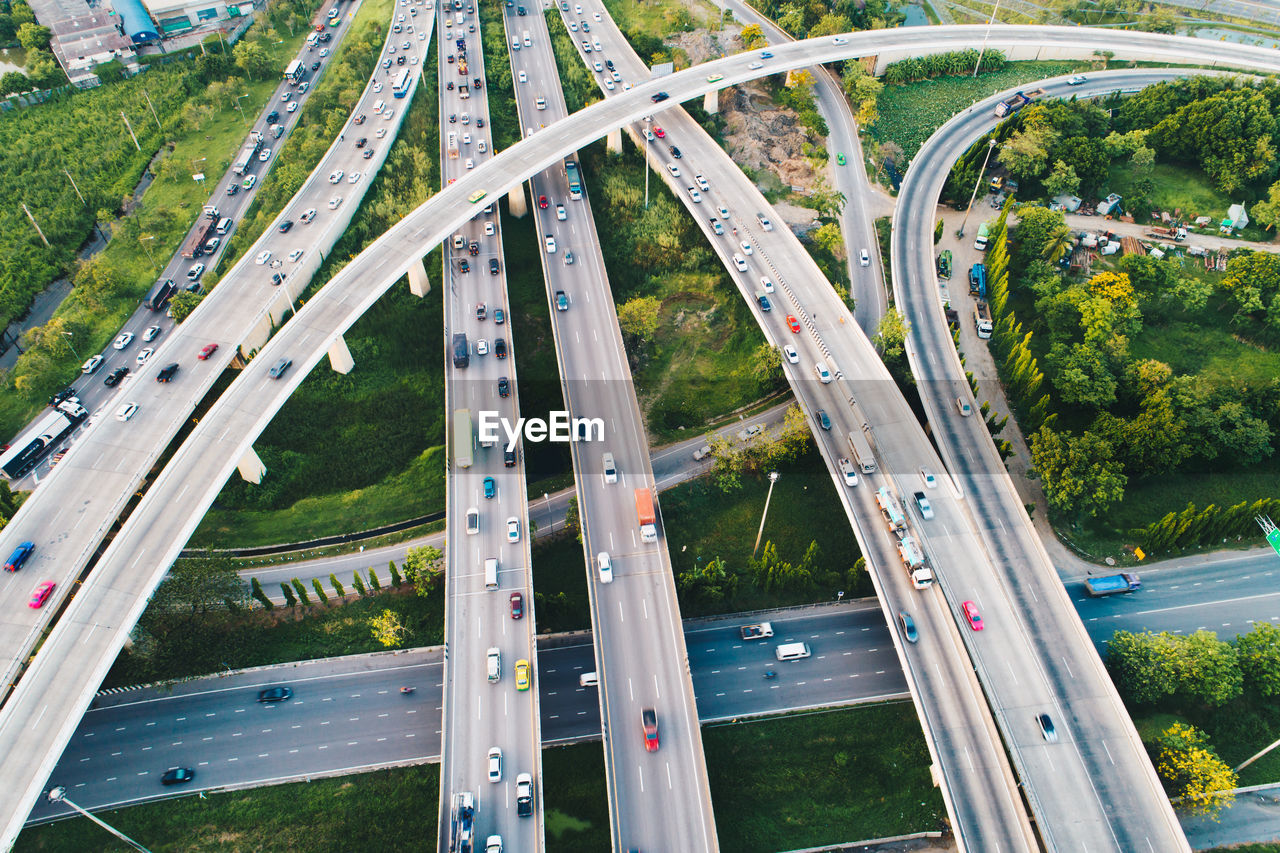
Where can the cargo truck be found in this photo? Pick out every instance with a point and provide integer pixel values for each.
(982, 319)
(160, 294)
(245, 160)
(944, 264)
(978, 280)
(1178, 233)
(913, 560)
(1111, 584)
(645, 516)
(194, 247)
(984, 234)
(891, 511)
(762, 631)
(1009, 106)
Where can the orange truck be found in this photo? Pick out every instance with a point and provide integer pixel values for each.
(645, 515)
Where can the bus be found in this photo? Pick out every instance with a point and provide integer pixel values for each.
(27, 451)
(294, 72)
(462, 437)
(575, 180)
(401, 86)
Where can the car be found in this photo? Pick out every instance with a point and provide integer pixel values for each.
(766, 55)
(522, 675)
(336, 177)
(206, 351)
(739, 262)
(715, 78)
(659, 97)
(144, 355)
(649, 725)
(1076, 79)
(495, 764)
(195, 272)
(750, 432)
(562, 301)
(127, 411)
(523, 77)
(490, 488)
(114, 377)
(355, 177)
(793, 323)
(232, 189)
(296, 255)
(482, 311)
(540, 103)
(746, 248)
(596, 15)
(500, 348)
(971, 613)
(123, 340)
(839, 40)
(40, 594)
(848, 472)
(790, 352)
(963, 405)
(277, 370)
(767, 284)
(517, 605)
(908, 626)
(177, 776)
(504, 387)
(765, 304)
(285, 226)
(499, 316)
(1046, 728)
(524, 795)
(19, 556)
(334, 202)
(508, 459)
(380, 132)
(840, 159)
(724, 212)
(930, 480)
(262, 257)
(360, 119)
(659, 132)
(694, 195)
(823, 420)
(716, 227)
(315, 66)
(755, 66)
(273, 117)
(560, 213)
(309, 215)
(586, 47)
(275, 694)
(470, 163)
(167, 372)
(250, 182)
(151, 333)
(265, 154)
(550, 244)
(368, 154)
(609, 84)
(702, 183)
(513, 529)
(824, 375)
(864, 259)
(922, 502)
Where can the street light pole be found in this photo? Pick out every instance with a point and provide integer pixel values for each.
(59, 795)
(238, 97)
(991, 144)
(978, 64)
(773, 478)
(647, 121)
(71, 345)
(146, 245)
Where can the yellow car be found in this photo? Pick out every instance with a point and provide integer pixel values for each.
(522, 675)
(475, 196)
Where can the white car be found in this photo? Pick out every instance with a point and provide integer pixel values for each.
(473, 521)
(839, 40)
(746, 247)
(471, 164)
(495, 765)
(755, 66)
(513, 529)
(145, 354)
(264, 155)
(573, 26)
(864, 259)
(673, 169)
(126, 411)
(354, 178)
(309, 215)
(336, 177)
(334, 202)
(739, 262)
(766, 283)
(123, 341)
(489, 230)
(482, 146)
(702, 183)
(540, 103)
(724, 212)
(377, 87)
(524, 78)
(1076, 79)
(596, 16)
(466, 139)
(694, 194)
(850, 475)
(292, 108)
(551, 245)
(287, 95)
(151, 333)
(560, 214)
(380, 132)
(296, 255)
(482, 347)
(263, 257)
(790, 352)
(930, 481)
(609, 84)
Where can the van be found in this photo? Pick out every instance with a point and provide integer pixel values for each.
(605, 566)
(792, 651)
(473, 521)
(491, 573)
(379, 105)
(461, 350)
(493, 664)
(588, 679)
(610, 470)
(225, 225)
(527, 41)
(515, 44)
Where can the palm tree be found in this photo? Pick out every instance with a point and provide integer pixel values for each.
(1059, 243)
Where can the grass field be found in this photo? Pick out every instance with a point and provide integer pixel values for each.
(386, 810)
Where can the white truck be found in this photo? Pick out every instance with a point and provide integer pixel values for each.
(760, 631)
(913, 560)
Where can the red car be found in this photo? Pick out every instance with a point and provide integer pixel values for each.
(542, 202)
(659, 132)
(41, 593)
(517, 605)
(793, 323)
(971, 613)
(649, 721)
(209, 349)
(359, 119)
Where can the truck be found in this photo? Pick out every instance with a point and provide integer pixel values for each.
(462, 820)
(203, 231)
(461, 350)
(702, 452)
(1111, 584)
(1011, 105)
(1110, 205)
(762, 631)
(984, 234)
(160, 295)
(245, 160)
(978, 280)
(645, 516)
(891, 511)
(1178, 233)
(982, 319)
(913, 560)
(944, 264)
(860, 449)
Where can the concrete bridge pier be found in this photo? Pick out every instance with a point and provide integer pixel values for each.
(419, 283)
(614, 141)
(251, 467)
(340, 357)
(711, 101)
(516, 204)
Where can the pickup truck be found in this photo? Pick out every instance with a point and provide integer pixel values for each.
(1123, 582)
(702, 452)
(757, 632)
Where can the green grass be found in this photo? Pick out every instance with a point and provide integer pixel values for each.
(560, 584)
(657, 20)
(574, 799)
(385, 810)
(1210, 349)
(213, 642)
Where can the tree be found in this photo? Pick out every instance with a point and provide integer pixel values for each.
(1026, 153)
(301, 590)
(290, 599)
(638, 317)
(1259, 652)
(338, 588)
(766, 366)
(199, 585)
(422, 566)
(1192, 771)
(261, 596)
(183, 303)
(373, 580)
(1210, 669)
(1266, 213)
(1143, 665)
(1036, 229)
(34, 36)
(1082, 374)
(388, 629)
(14, 83)
(315, 584)
(43, 69)
(253, 59)
(829, 238)
(753, 37)
(1078, 473)
(891, 339)
(830, 24)
(1252, 280)
(1062, 180)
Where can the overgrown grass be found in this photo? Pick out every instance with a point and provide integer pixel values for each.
(560, 584)
(660, 20)
(575, 803)
(386, 810)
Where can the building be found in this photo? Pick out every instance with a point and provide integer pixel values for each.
(83, 37)
(179, 16)
(135, 21)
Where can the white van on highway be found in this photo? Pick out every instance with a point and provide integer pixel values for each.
(792, 651)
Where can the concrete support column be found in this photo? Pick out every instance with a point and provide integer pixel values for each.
(516, 204)
(419, 283)
(251, 467)
(614, 141)
(711, 101)
(259, 334)
(340, 357)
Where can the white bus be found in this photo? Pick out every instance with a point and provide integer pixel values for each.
(294, 72)
(401, 86)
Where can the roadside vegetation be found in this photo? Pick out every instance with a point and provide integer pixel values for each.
(198, 123)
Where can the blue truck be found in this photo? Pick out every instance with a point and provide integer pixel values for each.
(1111, 584)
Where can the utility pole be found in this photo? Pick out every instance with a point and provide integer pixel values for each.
(987, 35)
(238, 97)
(159, 126)
(647, 121)
(991, 144)
(126, 124)
(74, 187)
(72, 346)
(35, 225)
(773, 478)
(147, 245)
(59, 795)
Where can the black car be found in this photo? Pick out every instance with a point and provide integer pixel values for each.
(493, 266)
(500, 348)
(453, 118)
(608, 63)
(659, 97)
(285, 226)
(475, 83)
(325, 38)
(449, 86)
(504, 387)
(675, 152)
(273, 117)
(362, 141)
(499, 316)
(277, 278)
(114, 377)
(166, 372)
(400, 59)
(508, 459)
(233, 189)
(368, 153)
(274, 694)
(315, 66)
(177, 776)
(479, 122)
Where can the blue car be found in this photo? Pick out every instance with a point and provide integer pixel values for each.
(20, 555)
(490, 488)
